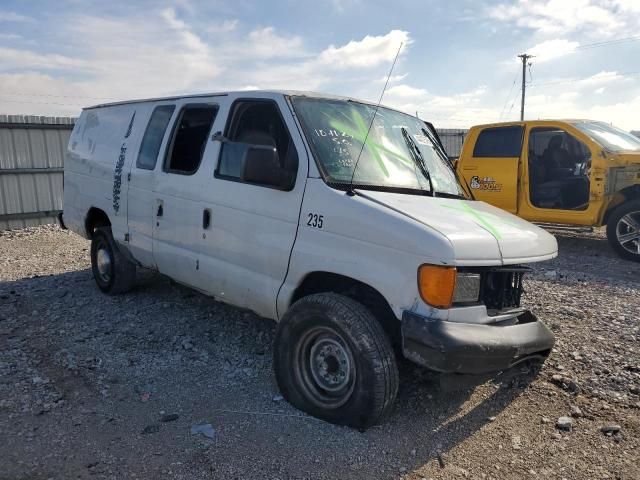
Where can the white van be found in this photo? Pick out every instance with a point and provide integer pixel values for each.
(342, 221)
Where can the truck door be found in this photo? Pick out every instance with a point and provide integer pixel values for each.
(178, 189)
(558, 166)
(140, 215)
(249, 229)
(491, 168)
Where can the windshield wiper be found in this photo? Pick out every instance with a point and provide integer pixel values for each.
(438, 145)
(418, 159)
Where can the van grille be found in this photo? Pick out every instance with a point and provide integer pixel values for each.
(501, 287)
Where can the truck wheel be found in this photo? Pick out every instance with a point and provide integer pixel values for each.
(623, 230)
(333, 360)
(112, 271)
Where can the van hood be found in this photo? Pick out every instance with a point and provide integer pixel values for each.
(479, 233)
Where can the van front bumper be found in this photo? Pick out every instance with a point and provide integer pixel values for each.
(454, 347)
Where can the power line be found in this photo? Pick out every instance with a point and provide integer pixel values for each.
(24, 94)
(615, 41)
(42, 103)
(506, 100)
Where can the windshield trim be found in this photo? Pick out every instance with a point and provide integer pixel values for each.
(340, 185)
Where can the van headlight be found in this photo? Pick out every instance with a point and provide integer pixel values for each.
(467, 288)
(441, 286)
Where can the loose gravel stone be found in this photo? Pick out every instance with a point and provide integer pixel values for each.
(107, 367)
(564, 423)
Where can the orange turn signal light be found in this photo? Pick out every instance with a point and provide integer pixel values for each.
(436, 285)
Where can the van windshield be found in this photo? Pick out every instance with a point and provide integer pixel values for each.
(612, 138)
(399, 153)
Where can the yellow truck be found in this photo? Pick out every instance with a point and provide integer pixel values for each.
(559, 172)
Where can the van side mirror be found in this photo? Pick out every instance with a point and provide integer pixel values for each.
(262, 166)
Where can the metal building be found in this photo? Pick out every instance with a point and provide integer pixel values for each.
(452, 139)
(32, 153)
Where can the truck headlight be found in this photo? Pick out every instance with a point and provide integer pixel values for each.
(467, 288)
(441, 286)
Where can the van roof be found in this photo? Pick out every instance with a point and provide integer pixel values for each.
(221, 94)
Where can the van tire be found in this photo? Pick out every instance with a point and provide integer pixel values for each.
(112, 271)
(353, 359)
(616, 224)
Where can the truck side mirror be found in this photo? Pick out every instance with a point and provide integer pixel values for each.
(262, 166)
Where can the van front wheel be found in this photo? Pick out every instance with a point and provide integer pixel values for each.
(112, 271)
(333, 360)
(623, 230)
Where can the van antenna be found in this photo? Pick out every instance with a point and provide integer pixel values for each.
(350, 191)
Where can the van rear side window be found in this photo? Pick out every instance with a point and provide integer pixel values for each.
(153, 135)
(190, 138)
(500, 142)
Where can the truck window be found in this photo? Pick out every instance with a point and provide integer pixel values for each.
(499, 142)
(255, 122)
(190, 135)
(153, 135)
(559, 165)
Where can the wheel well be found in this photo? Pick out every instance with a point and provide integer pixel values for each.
(320, 282)
(95, 218)
(630, 193)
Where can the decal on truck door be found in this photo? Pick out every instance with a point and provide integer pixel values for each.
(117, 174)
(488, 184)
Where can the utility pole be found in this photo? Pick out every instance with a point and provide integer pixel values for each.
(524, 58)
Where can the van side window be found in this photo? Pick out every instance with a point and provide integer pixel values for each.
(190, 135)
(256, 122)
(505, 142)
(153, 135)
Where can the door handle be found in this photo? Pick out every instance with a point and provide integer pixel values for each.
(206, 218)
(160, 211)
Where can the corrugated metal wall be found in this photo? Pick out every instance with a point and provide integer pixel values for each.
(452, 139)
(32, 153)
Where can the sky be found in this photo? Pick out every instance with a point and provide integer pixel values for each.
(457, 64)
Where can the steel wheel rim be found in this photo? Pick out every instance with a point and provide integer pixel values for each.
(103, 262)
(325, 367)
(628, 232)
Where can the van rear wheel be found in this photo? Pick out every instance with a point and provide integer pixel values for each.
(112, 271)
(623, 230)
(333, 360)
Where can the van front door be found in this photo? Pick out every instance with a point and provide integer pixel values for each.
(492, 169)
(249, 230)
(141, 197)
(178, 193)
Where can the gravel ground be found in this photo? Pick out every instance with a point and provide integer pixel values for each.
(111, 387)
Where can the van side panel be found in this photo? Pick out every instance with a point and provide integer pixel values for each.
(99, 154)
(359, 239)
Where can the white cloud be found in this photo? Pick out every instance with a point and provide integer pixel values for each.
(393, 78)
(551, 49)
(405, 91)
(604, 17)
(603, 78)
(6, 16)
(266, 43)
(161, 53)
(13, 58)
(225, 26)
(368, 52)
